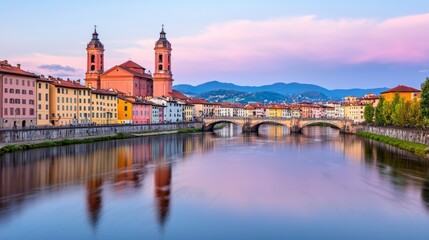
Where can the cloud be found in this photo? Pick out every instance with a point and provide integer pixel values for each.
(269, 44)
(57, 67)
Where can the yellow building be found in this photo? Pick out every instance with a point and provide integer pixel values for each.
(104, 107)
(407, 93)
(125, 110)
(354, 112)
(275, 111)
(69, 102)
(42, 101)
(188, 112)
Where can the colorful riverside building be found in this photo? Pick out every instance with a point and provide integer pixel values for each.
(157, 113)
(43, 107)
(104, 106)
(142, 111)
(18, 96)
(407, 93)
(125, 110)
(70, 103)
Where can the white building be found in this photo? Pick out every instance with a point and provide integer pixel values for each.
(173, 110)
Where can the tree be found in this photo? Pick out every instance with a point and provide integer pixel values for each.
(393, 109)
(369, 113)
(415, 116)
(400, 114)
(379, 118)
(386, 111)
(424, 104)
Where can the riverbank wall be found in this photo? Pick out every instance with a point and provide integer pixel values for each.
(38, 134)
(412, 135)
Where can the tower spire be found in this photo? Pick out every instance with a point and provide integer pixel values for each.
(162, 33)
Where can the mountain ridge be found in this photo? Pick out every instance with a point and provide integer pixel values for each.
(286, 89)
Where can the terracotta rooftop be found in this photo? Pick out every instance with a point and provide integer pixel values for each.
(5, 67)
(131, 64)
(198, 101)
(67, 83)
(178, 95)
(401, 88)
(103, 91)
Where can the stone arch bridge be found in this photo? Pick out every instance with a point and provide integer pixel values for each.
(251, 124)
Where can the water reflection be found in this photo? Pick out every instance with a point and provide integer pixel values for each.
(218, 165)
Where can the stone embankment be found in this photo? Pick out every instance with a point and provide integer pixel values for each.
(412, 135)
(31, 135)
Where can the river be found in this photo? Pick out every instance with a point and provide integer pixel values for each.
(224, 185)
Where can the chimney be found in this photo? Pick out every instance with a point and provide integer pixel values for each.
(18, 66)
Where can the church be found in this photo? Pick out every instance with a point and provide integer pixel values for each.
(130, 78)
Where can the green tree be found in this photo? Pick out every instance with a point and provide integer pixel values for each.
(414, 114)
(369, 113)
(424, 104)
(379, 118)
(400, 114)
(386, 111)
(393, 110)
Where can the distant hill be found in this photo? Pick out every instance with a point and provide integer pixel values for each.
(279, 88)
(243, 97)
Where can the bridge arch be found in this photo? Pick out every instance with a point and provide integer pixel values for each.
(335, 124)
(209, 125)
(255, 126)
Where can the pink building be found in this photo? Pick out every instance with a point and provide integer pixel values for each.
(18, 96)
(142, 112)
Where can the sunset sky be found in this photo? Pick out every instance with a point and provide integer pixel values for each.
(332, 43)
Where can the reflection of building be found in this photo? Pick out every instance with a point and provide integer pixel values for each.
(162, 190)
(94, 199)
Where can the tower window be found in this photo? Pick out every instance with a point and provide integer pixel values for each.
(92, 67)
(160, 67)
(160, 58)
(92, 58)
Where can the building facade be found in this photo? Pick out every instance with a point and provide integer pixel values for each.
(18, 96)
(42, 101)
(104, 108)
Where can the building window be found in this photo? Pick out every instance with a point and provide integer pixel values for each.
(160, 58)
(30, 92)
(47, 117)
(31, 111)
(5, 90)
(5, 100)
(39, 116)
(24, 101)
(46, 97)
(28, 83)
(5, 111)
(160, 67)
(23, 83)
(17, 91)
(46, 86)
(40, 85)
(23, 111)
(17, 111)
(92, 67)
(40, 96)
(24, 91)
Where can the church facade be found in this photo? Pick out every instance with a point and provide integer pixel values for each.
(130, 78)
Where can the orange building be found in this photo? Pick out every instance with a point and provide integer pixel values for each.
(129, 78)
(407, 93)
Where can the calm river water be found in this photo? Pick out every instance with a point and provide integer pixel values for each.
(223, 185)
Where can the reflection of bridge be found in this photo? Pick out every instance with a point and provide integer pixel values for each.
(251, 124)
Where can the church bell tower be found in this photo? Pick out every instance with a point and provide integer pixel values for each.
(95, 61)
(163, 77)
